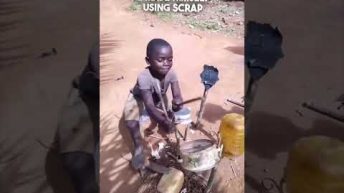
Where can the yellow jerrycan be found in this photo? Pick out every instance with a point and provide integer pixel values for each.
(316, 165)
(232, 133)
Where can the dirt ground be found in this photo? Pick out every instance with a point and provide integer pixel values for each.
(124, 36)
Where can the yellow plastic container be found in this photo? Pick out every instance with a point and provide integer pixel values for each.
(316, 165)
(232, 132)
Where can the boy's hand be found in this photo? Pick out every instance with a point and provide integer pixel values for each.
(170, 115)
(176, 105)
(168, 126)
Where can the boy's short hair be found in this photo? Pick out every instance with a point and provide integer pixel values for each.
(154, 44)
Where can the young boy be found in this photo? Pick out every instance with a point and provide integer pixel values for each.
(78, 128)
(151, 82)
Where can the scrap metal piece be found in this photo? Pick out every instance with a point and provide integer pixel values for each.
(209, 76)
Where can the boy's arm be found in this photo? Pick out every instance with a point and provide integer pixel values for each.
(177, 96)
(151, 109)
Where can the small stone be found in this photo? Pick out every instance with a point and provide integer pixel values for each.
(240, 23)
(224, 21)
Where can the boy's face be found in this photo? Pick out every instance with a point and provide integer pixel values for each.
(161, 59)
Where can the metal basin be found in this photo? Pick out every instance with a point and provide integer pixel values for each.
(199, 155)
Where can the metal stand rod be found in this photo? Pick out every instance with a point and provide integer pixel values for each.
(201, 110)
(211, 180)
(186, 132)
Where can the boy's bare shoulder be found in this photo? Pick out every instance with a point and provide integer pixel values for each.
(144, 72)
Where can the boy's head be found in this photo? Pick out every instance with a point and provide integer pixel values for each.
(159, 56)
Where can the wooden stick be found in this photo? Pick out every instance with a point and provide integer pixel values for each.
(235, 175)
(218, 144)
(323, 111)
(191, 100)
(236, 103)
(177, 132)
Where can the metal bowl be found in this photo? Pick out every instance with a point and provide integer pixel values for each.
(199, 155)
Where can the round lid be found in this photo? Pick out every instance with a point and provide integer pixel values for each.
(184, 113)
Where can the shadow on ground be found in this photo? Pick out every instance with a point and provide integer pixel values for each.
(115, 172)
(236, 49)
(214, 112)
(273, 134)
(57, 177)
